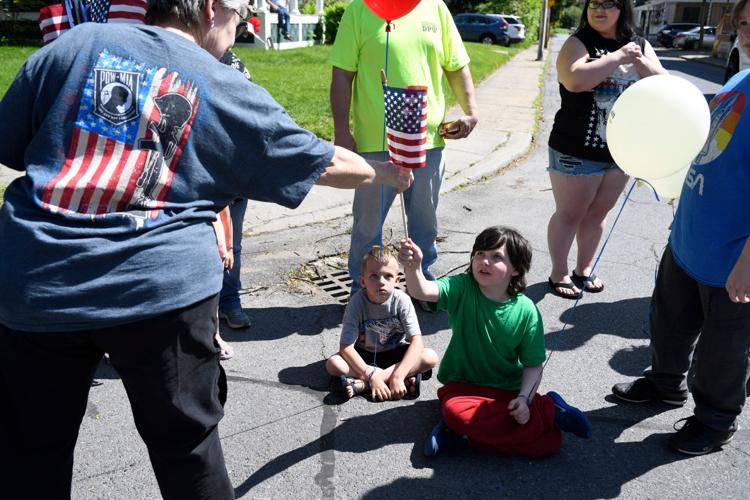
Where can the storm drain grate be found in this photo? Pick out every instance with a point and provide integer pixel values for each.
(338, 284)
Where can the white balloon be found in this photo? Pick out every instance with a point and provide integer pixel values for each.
(657, 126)
(669, 188)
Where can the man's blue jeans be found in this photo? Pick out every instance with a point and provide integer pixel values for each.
(229, 297)
(283, 20)
(420, 200)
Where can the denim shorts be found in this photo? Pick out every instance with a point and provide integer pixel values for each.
(574, 166)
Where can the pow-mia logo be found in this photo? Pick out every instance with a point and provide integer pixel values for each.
(116, 95)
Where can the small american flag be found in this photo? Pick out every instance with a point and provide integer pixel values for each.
(127, 11)
(97, 10)
(406, 125)
(53, 22)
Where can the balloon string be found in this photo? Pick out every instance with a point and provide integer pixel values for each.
(591, 273)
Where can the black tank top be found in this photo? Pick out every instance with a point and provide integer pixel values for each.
(579, 128)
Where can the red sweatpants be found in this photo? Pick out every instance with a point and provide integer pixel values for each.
(481, 413)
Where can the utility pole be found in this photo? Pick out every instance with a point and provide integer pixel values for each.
(702, 18)
(543, 29)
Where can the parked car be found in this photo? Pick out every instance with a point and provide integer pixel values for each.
(516, 30)
(736, 61)
(666, 33)
(688, 40)
(484, 28)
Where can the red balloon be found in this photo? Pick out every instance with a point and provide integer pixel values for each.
(390, 10)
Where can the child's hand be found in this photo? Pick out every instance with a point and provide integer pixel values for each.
(228, 259)
(398, 388)
(409, 254)
(519, 410)
(380, 391)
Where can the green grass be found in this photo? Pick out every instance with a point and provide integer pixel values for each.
(300, 78)
(297, 78)
(11, 59)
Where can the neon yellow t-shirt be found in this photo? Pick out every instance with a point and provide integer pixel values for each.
(422, 45)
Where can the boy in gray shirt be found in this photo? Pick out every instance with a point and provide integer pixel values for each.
(381, 344)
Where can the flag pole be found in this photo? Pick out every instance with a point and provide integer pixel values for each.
(384, 79)
(403, 215)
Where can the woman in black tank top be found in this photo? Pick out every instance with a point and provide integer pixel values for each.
(594, 67)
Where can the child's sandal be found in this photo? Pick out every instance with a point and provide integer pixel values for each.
(352, 386)
(413, 392)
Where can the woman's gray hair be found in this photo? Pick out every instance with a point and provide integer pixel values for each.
(186, 12)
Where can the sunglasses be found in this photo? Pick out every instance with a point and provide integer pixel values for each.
(606, 5)
(242, 27)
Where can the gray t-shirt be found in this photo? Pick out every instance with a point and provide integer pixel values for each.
(379, 327)
(132, 138)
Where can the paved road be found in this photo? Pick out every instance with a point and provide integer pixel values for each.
(286, 435)
(707, 77)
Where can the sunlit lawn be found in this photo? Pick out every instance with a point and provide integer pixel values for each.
(297, 78)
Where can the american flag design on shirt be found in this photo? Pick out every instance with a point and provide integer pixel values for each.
(406, 125)
(127, 140)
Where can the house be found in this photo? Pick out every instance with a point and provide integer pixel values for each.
(302, 27)
(654, 13)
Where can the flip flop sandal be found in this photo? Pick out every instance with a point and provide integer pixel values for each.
(358, 386)
(580, 281)
(568, 286)
(417, 383)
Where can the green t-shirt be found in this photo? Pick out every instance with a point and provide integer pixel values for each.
(421, 46)
(491, 341)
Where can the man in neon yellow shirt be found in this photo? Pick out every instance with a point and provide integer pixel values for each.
(423, 47)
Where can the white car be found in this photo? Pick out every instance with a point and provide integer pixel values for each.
(688, 40)
(516, 29)
(736, 61)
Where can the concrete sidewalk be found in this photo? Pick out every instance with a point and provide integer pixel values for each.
(504, 133)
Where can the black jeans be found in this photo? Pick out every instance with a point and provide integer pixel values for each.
(169, 366)
(689, 318)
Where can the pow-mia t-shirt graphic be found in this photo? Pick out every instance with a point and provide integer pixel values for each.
(132, 124)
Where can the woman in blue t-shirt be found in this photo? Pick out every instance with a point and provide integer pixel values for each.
(594, 67)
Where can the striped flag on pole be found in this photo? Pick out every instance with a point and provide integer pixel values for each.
(56, 19)
(406, 125)
(127, 11)
(53, 22)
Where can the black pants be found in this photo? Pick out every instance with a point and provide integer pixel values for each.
(170, 369)
(688, 317)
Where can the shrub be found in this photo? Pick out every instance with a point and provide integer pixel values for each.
(528, 10)
(570, 16)
(332, 15)
(307, 7)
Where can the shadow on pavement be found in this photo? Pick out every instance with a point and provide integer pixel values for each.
(271, 323)
(626, 318)
(583, 469)
(404, 423)
(595, 468)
